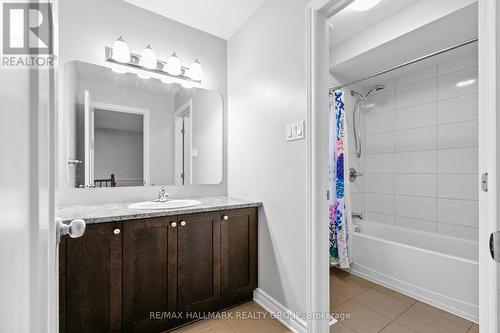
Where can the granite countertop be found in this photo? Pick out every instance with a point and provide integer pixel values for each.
(113, 212)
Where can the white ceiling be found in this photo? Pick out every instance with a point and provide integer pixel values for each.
(349, 22)
(221, 18)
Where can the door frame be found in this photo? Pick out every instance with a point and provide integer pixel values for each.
(317, 277)
(146, 129)
(488, 124)
(186, 108)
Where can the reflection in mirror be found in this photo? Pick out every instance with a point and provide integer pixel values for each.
(126, 131)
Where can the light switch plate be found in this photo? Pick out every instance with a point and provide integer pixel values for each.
(295, 131)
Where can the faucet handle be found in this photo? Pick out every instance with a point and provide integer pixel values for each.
(163, 194)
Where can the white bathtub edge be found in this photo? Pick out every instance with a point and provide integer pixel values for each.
(457, 307)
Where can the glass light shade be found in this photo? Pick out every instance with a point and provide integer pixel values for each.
(148, 58)
(361, 5)
(121, 52)
(174, 66)
(195, 71)
(119, 69)
(187, 85)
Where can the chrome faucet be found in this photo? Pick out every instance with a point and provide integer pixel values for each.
(162, 195)
(357, 216)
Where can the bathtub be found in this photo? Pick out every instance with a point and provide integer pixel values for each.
(439, 270)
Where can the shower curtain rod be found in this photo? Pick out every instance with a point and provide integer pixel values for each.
(470, 41)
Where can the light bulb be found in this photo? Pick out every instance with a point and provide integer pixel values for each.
(121, 52)
(187, 84)
(118, 69)
(166, 79)
(361, 5)
(195, 71)
(148, 58)
(174, 66)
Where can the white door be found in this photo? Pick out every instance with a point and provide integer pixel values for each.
(489, 122)
(28, 252)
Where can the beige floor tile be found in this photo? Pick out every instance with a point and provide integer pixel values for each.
(257, 325)
(345, 275)
(336, 299)
(339, 328)
(425, 319)
(396, 328)
(382, 303)
(362, 319)
(346, 287)
(474, 329)
(200, 326)
(444, 314)
(395, 294)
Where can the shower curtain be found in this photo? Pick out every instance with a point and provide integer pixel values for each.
(339, 212)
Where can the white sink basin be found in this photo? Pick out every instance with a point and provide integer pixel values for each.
(170, 204)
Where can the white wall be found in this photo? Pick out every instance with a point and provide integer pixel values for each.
(267, 89)
(86, 27)
(421, 149)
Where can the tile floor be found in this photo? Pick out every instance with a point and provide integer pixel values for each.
(373, 308)
(261, 322)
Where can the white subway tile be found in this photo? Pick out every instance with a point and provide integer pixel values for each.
(416, 224)
(458, 135)
(380, 203)
(380, 143)
(380, 183)
(416, 207)
(416, 184)
(458, 109)
(415, 94)
(416, 75)
(380, 163)
(416, 162)
(460, 160)
(459, 212)
(459, 83)
(380, 122)
(382, 102)
(458, 186)
(458, 59)
(422, 115)
(416, 139)
(458, 231)
(379, 218)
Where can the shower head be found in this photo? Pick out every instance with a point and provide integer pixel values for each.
(361, 97)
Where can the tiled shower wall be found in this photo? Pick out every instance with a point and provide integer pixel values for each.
(420, 157)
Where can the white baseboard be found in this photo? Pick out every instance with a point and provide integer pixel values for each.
(457, 307)
(282, 314)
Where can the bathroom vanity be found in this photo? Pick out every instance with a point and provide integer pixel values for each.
(152, 271)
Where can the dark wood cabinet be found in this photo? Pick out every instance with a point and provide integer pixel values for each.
(138, 276)
(90, 276)
(149, 274)
(239, 255)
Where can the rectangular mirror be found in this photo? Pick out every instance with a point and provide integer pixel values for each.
(123, 130)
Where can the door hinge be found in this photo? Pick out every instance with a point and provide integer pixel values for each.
(328, 195)
(183, 131)
(182, 175)
(484, 182)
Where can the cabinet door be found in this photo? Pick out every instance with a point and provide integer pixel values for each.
(199, 262)
(90, 280)
(149, 274)
(239, 255)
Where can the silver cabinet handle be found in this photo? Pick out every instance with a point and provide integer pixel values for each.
(225, 217)
(173, 224)
(75, 229)
(183, 223)
(117, 231)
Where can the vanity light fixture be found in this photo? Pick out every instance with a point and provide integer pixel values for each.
(148, 58)
(174, 66)
(195, 72)
(121, 52)
(147, 65)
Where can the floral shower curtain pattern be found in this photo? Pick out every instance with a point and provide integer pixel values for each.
(339, 233)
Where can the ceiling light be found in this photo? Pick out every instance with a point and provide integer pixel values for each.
(360, 5)
(195, 71)
(143, 75)
(148, 58)
(121, 52)
(174, 66)
(118, 69)
(187, 85)
(465, 83)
